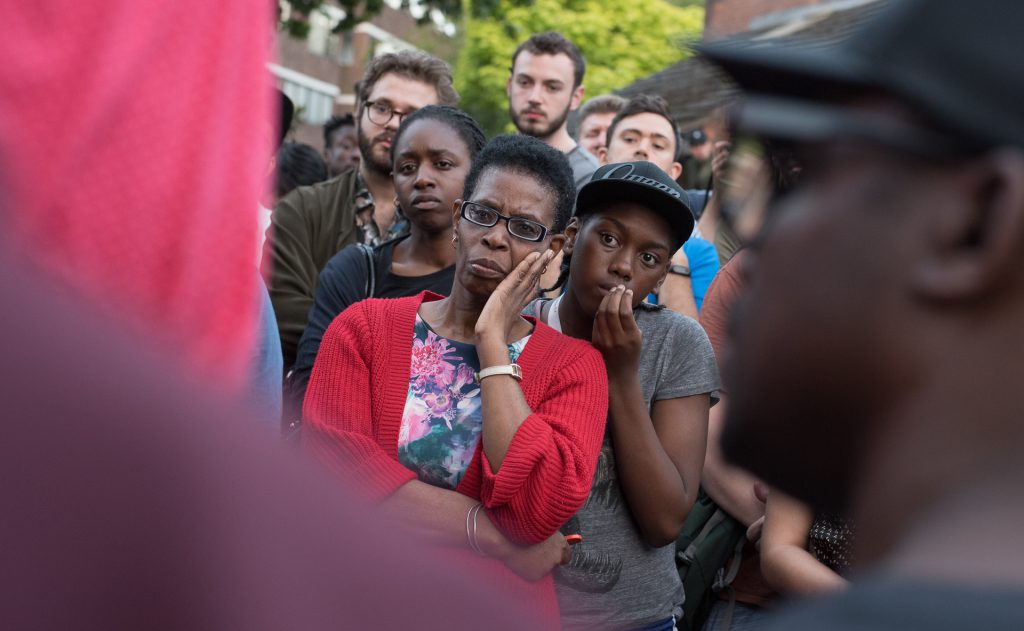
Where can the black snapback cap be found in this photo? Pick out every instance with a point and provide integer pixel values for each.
(956, 61)
(641, 183)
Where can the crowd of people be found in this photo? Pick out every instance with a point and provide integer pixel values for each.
(499, 253)
(533, 381)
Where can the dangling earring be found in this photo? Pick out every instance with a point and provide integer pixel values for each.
(455, 240)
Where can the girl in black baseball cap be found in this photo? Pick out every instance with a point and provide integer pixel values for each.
(629, 220)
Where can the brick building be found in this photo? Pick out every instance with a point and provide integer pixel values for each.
(728, 17)
(319, 73)
(695, 89)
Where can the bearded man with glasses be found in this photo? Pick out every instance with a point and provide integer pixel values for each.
(313, 223)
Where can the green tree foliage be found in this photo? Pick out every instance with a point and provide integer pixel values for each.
(356, 11)
(452, 9)
(621, 43)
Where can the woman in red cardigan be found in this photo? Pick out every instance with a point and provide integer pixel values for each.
(479, 427)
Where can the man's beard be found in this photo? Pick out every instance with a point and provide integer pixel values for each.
(383, 167)
(537, 132)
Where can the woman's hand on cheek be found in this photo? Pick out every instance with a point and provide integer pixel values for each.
(616, 334)
(505, 305)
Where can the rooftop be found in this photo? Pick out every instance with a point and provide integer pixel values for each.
(694, 87)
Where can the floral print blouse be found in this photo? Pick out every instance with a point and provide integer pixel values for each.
(441, 423)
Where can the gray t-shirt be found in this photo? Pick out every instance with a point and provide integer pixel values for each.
(583, 165)
(615, 580)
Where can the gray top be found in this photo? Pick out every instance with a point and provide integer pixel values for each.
(615, 580)
(583, 165)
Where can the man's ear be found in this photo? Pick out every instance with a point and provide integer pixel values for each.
(675, 170)
(577, 98)
(975, 243)
(508, 87)
(358, 114)
(602, 155)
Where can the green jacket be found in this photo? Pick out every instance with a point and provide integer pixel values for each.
(309, 226)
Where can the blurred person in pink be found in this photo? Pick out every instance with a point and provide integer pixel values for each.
(125, 210)
(136, 493)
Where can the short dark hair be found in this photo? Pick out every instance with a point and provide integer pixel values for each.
(554, 43)
(298, 164)
(603, 104)
(461, 123)
(336, 123)
(531, 157)
(647, 104)
(411, 65)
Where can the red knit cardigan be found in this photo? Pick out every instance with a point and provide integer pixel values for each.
(357, 394)
(356, 397)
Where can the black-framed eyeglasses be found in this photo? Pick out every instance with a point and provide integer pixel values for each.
(518, 227)
(381, 112)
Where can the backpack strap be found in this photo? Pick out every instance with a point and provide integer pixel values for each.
(724, 579)
(690, 552)
(371, 276)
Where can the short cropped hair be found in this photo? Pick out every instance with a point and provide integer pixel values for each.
(460, 122)
(336, 123)
(554, 43)
(531, 157)
(647, 104)
(413, 65)
(298, 164)
(603, 104)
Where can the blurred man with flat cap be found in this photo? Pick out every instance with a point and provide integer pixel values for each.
(884, 380)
